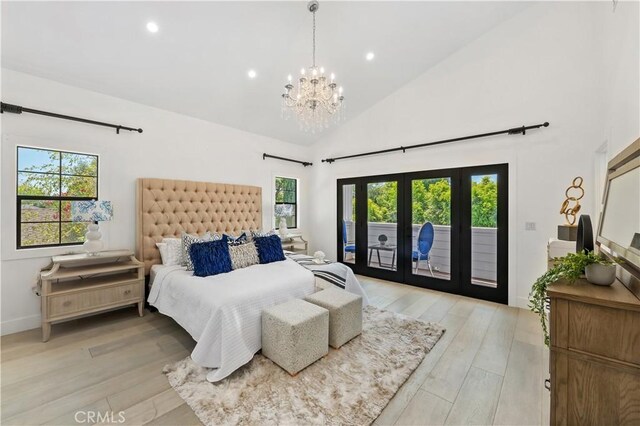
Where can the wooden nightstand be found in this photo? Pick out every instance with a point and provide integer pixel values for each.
(294, 243)
(77, 285)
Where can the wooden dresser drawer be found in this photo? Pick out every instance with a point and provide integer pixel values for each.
(605, 331)
(67, 304)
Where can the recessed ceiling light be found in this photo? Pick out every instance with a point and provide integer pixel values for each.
(252, 73)
(369, 56)
(152, 27)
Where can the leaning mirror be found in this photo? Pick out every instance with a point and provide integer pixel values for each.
(619, 228)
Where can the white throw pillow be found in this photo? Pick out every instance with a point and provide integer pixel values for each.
(162, 247)
(170, 251)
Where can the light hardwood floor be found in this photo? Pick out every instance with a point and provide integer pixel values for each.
(488, 368)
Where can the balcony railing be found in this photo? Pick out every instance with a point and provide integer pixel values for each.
(483, 248)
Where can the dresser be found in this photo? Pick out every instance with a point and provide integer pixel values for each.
(595, 354)
(76, 285)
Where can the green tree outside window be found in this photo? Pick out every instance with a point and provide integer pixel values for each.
(431, 201)
(48, 182)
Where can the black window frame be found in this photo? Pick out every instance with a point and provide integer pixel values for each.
(294, 204)
(60, 199)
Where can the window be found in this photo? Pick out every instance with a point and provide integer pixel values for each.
(286, 201)
(48, 181)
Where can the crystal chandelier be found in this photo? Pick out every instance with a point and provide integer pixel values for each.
(316, 100)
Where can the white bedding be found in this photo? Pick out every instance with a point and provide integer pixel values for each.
(223, 312)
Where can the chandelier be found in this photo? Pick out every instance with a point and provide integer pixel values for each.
(316, 100)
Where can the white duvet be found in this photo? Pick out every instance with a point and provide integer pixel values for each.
(223, 312)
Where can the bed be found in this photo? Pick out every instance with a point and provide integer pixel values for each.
(222, 312)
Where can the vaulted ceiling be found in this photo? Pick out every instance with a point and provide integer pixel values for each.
(197, 63)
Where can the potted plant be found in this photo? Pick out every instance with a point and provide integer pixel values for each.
(571, 267)
(600, 271)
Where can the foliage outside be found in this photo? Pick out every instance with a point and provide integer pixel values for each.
(286, 200)
(431, 202)
(60, 175)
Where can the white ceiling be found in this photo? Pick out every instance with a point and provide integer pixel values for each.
(197, 63)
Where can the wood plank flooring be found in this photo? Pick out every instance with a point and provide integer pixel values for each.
(488, 368)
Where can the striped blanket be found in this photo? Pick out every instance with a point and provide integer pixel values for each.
(332, 273)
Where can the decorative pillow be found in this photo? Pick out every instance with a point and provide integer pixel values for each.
(243, 255)
(210, 258)
(236, 240)
(162, 247)
(256, 234)
(269, 249)
(170, 251)
(187, 240)
(174, 246)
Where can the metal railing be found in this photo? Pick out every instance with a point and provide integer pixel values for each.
(483, 247)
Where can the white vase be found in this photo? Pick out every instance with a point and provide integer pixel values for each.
(282, 227)
(92, 240)
(600, 274)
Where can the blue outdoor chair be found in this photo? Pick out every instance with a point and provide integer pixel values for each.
(425, 243)
(348, 248)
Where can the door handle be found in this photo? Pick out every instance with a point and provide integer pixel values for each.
(127, 292)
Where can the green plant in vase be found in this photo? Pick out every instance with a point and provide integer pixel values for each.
(571, 267)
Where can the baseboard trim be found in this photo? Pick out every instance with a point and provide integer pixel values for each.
(19, 324)
(522, 302)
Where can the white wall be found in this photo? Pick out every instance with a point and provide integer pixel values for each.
(172, 146)
(620, 70)
(545, 64)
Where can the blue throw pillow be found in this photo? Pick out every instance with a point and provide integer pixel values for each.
(210, 258)
(269, 249)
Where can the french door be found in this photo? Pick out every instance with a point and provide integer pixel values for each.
(439, 229)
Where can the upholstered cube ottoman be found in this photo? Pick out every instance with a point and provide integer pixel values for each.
(345, 314)
(295, 334)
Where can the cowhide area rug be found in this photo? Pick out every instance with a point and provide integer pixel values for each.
(350, 385)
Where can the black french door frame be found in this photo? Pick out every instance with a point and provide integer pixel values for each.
(361, 225)
(500, 294)
(460, 280)
(453, 285)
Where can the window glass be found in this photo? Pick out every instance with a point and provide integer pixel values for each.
(286, 202)
(48, 181)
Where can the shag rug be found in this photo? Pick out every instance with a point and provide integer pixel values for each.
(350, 385)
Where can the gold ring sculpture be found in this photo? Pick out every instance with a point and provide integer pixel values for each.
(571, 205)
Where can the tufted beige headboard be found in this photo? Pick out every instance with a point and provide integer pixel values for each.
(166, 208)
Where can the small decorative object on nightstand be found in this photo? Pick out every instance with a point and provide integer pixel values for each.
(283, 211)
(295, 243)
(92, 211)
(79, 284)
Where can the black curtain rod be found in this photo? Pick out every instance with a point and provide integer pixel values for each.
(17, 109)
(304, 163)
(512, 131)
